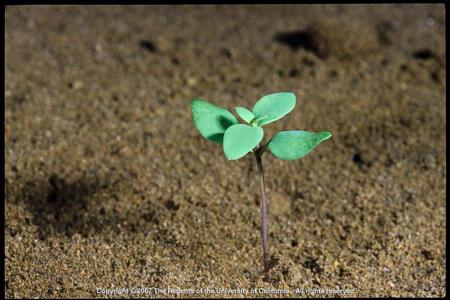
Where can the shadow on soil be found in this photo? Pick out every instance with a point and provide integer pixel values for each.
(60, 207)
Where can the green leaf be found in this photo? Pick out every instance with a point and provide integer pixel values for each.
(274, 106)
(240, 139)
(211, 120)
(245, 114)
(290, 145)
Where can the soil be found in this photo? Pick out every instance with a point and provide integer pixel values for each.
(109, 186)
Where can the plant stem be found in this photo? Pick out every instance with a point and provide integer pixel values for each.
(265, 243)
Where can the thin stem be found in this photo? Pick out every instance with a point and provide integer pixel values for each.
(262, 149)
(265, 242)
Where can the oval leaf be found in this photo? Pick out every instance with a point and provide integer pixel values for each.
(274, 106)
(290, 145)
(245, 114)
(211, 120)
(240, 139)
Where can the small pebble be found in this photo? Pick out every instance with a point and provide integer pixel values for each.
(76, 85)
(192, 81)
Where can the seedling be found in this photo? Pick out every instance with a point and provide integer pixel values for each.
(220, 126)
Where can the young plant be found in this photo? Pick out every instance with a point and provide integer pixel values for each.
(220, 126)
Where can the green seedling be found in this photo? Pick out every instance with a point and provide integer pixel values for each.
(220, 126)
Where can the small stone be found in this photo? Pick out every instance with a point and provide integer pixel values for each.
(192, 81)
(126, 151)
(98, 48)
(76, 85)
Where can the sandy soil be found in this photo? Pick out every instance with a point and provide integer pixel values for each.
(109, 185)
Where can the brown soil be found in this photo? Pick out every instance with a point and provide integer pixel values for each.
(109, 184)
